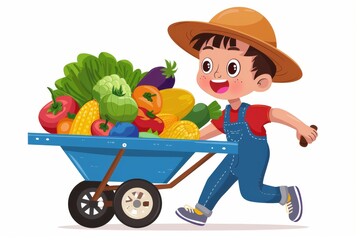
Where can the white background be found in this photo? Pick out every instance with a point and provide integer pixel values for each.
(39, 37)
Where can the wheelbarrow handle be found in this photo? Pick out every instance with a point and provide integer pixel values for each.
(303, 141)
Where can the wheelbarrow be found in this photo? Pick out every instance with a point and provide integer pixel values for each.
(143, 166)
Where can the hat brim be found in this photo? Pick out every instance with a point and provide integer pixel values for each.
(287, 70)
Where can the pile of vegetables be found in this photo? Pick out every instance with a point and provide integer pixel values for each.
(101, 96)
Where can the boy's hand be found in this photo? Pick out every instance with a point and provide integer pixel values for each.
(309, 133)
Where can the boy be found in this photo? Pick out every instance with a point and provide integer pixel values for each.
(238, 55)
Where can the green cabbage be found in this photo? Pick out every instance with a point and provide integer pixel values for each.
(118, 108)
(106, 85)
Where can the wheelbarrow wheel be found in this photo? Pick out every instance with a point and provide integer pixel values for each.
(89, 213)
(137, 203)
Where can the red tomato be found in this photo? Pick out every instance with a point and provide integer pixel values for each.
(101, 127)
(54, 111)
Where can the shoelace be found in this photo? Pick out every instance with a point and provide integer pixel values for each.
(289, 207)
(189, 208)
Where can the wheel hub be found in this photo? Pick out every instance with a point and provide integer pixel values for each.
(137, 204)
(93, 204)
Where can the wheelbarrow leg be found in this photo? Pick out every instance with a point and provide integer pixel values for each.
(110, 171)
(186, 173)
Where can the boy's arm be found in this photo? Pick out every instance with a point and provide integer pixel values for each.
(209, 131)
(284, 117)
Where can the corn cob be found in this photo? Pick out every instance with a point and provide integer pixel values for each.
(87, 114)
(182, 130)
(168, 119)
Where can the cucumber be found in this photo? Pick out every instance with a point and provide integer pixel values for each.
(201, 113)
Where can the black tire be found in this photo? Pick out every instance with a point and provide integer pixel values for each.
(137, 203)
(86, 213)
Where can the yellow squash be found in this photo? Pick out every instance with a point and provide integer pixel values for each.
(176, 101)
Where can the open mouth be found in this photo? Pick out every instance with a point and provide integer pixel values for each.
(219, 85)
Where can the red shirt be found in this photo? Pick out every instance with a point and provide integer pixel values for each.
(256, 116)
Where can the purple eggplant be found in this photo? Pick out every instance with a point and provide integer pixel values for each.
(160, 77)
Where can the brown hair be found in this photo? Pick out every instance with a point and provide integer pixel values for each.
(262, 64)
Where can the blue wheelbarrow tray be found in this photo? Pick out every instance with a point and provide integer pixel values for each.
(156, 160)
(142, 165)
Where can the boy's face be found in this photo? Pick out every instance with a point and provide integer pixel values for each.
(225, 73)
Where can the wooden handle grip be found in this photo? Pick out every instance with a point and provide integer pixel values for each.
(303, 141)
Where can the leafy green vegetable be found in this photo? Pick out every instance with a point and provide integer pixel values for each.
(149, 134)
(108, 63)
(72, 88)
(81, 76)
(125, 70)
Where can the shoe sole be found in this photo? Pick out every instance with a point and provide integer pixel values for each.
(298, 196)
(189, 220)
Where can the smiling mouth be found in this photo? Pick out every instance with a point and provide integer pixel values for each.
(219, 85)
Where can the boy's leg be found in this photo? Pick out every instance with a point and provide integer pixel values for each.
(217, 184)
(251, 171)
(251, 175)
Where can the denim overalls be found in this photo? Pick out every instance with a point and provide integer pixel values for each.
(248, 167)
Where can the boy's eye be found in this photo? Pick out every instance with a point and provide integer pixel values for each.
(233, 68)
(207, 65)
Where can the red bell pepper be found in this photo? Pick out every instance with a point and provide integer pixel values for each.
(146, 120)
(148, 97)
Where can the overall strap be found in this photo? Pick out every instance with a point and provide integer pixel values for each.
(242, 112)
(227, 114)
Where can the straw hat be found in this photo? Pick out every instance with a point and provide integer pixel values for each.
(245, 25)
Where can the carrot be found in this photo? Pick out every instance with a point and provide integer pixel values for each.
(64, 125)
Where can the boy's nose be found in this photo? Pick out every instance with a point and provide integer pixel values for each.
(216, 73)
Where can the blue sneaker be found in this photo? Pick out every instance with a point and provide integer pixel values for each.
(294, 204)
(191, 215)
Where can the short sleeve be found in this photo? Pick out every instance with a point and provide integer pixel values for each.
(219, 123)
(256, 117)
